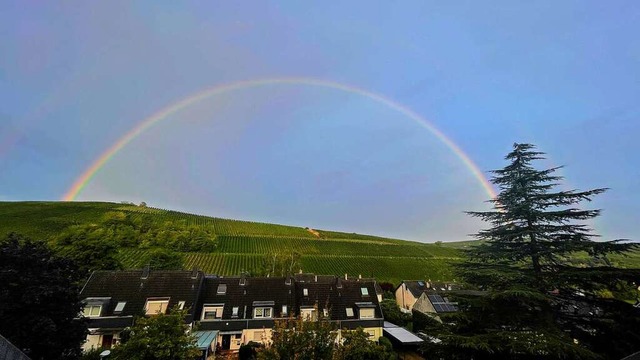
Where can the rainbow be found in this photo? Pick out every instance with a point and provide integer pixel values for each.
(145, 124)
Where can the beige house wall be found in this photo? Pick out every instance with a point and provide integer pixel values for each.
(404, 298)
(92, 342)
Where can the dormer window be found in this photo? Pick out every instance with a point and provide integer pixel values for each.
(261, 312)
(222, 289)
(92, 310)
(364, 291)
(212, 311)
(156, 306)
(119, 307)
(367, 313)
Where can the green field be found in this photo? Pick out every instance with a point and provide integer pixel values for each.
(242, 245)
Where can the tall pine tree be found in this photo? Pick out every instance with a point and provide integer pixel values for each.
(544, 275)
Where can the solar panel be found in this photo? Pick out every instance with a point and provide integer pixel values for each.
(436, 298)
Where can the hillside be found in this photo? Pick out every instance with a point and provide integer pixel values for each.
(242, 245)
(228, 247)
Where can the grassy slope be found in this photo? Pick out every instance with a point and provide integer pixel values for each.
(242, 244)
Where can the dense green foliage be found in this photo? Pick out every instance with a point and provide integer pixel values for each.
(39, 302)
(159, 337)
(298, 339)
(225, 247)
(393, 314)
(540, 302)
(131, 235)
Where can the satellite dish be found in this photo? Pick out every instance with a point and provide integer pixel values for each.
(105, 353)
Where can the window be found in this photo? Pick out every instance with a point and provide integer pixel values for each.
(92, 310)
(308, 314)
(259, 336)
(364, 291)
(212, 312)
(284, 310)
(305, 292)
(371, 334)
(325, 312)
(119, 307)
(181, 305)
(234, 311)
(154, 307)
(349, 312)
(367, 314)
(222, 289)
(261, 312)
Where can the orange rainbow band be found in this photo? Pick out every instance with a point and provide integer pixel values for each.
(145, 124)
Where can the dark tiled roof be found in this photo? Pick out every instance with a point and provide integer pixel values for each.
(338, 295)
(280, 291)
(417, 287)
(130, 286)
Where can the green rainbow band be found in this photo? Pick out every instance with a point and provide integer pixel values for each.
(145, 124)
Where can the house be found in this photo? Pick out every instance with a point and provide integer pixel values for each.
(434, 302)
(349, 303)
(229, 311)
(409, 292)
(243, 309)
(113, 298)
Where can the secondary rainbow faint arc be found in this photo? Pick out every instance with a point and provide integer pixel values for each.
(145, 124)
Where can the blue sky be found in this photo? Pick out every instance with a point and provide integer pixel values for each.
(76, 77)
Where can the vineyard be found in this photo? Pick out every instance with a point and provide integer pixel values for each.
(238, 246)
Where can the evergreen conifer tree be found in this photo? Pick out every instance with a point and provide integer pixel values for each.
(544, 276)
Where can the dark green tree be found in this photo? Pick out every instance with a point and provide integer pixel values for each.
(393, 314)
(540, 303)
(159, 337)
(93, 254)
(39, 302)
(356, 345)
(163, 259)
(302, 340)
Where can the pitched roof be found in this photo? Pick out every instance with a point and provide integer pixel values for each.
(134, 289)
(255, 291)
(338, 295)
(417, 287)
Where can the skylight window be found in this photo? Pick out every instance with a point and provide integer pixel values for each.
(349, 311)
(120, 306)
(364, 291)
(222, 289)
(234, 311)
(305, 292)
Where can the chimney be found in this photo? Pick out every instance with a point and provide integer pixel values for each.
(243, 279)
(339, 283)
(316, 278)
(359, 276)
(145, 272)
(345, 276)
(194, 273)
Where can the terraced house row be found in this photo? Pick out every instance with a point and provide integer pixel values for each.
(230, 311)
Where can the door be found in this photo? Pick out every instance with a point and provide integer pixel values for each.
(226, 342)
(106, 341)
